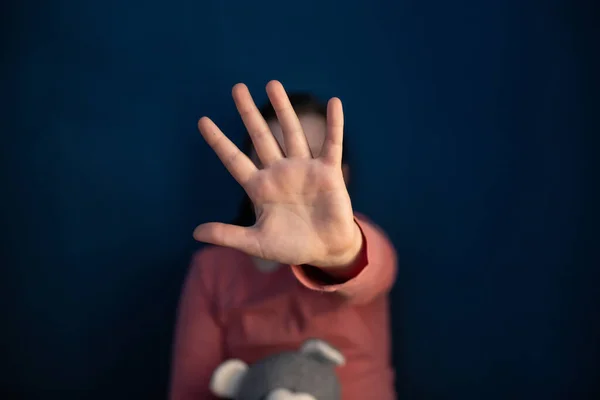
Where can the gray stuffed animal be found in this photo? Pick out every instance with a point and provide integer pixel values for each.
(307, 374)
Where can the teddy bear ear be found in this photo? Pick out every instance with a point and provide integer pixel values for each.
(226, 379)
(322, 351)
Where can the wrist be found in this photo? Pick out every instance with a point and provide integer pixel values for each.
(343, 267)
(348, 259)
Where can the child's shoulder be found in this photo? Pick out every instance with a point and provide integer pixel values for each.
(218, 257)
(211, 254)
(213, 264)
(226, 275)
(365, 221)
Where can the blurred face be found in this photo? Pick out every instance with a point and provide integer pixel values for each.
(314, 127)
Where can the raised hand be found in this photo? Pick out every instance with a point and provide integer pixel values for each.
(303, 210)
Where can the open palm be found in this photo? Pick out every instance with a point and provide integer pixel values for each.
(303, 210)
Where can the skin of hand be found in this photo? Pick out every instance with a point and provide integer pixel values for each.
(303, 209)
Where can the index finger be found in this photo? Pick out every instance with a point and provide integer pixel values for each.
(236, 162)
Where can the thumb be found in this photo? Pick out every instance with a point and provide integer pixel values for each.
(237, 237)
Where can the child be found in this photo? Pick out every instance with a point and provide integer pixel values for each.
(304, 265)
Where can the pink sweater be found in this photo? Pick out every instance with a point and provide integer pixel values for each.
(229, 309)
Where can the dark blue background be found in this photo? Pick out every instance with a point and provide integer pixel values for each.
(472, 130)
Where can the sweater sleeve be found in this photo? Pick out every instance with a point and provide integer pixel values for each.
(198, 345)
(377, 268)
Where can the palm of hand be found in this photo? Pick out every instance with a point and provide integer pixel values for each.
(303, 210)
(300, 205)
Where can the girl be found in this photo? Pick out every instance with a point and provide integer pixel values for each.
(298, 264)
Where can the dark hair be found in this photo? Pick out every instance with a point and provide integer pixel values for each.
(303, 103)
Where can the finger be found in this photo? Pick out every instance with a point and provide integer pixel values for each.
(293, 136)
(236, 162)
(332, 147)
(265, 144)
(227, 235)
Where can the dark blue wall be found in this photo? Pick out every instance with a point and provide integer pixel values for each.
(472, 131)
